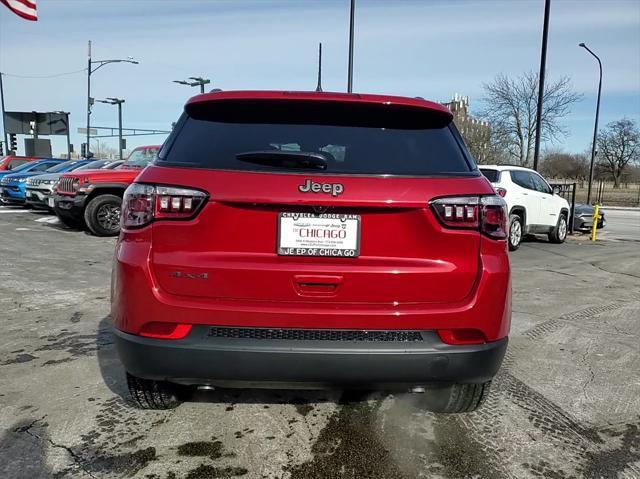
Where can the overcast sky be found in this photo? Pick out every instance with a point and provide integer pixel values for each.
(425, 48)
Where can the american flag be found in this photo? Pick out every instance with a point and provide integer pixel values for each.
(23, 8)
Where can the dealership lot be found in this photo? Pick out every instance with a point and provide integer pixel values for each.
(566, 403)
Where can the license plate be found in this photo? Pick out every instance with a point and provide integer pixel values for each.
(306, 234)
(50, 202)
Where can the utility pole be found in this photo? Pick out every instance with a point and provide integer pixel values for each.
(351, 27)
(90, 71)
(595, 127)
(118, 102)
(543, 63)
(89, 100)
(197, 81)
(4, 125)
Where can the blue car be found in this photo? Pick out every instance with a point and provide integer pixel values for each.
(13, 186)
(17, 169)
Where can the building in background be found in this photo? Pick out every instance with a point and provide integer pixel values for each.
(476, 133)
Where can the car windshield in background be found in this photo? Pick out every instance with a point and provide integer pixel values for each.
(66, 166)
(492, 175)
(93, 165)
(23, 166)
(139, 158)
(349, 139)
(112, 165)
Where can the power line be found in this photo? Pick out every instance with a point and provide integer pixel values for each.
(55, 75)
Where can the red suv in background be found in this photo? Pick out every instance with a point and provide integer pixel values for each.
(10, 162)
(293, 239)
(93, 197)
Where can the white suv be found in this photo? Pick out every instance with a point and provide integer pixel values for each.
(533, 207)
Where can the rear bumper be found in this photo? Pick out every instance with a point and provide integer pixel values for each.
(234, 362)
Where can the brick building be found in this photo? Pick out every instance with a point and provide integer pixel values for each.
(475, 132)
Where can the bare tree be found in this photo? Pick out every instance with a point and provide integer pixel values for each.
(478, 141)
(511, 107)
(557, 164)
(619, 147)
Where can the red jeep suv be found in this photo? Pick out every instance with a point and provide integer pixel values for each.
(93, 198)
(312, 240)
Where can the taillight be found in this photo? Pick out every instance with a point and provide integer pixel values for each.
(488, 214)
(457, 212)
(493, 217)
(143, 204)
(501, 191)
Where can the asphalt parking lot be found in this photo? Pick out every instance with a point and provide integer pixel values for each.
(566, 403)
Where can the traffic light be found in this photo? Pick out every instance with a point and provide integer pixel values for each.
(83, 150)
(1, 148)
(13, 142)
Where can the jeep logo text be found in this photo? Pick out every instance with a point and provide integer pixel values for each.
(334, 189)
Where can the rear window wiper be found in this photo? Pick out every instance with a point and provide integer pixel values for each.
(287, 159)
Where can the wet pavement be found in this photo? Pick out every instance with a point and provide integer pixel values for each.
(566, 404)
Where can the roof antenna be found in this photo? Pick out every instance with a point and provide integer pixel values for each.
(319, 87)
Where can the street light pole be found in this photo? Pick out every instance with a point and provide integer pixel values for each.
(88, 101)
(120, 129)
(543, 65)
(197, 81)
(91, 70)
(118, 102)
(595, 127)
(4, 125)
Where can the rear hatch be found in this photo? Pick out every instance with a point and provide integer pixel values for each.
(313, 201)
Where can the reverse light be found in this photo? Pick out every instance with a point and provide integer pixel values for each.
(161, 330)
(488, 214)
(143, 204)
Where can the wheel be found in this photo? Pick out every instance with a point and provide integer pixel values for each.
(102, 215)
(150, 394)
(456, 398)
(71, 223)
(559, 233)
(515, 232)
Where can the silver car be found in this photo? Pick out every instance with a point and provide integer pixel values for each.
(39, 188)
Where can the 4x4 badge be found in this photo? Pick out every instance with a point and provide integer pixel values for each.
(312, 187)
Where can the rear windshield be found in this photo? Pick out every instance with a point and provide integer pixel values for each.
(353, 138)
(492, 175)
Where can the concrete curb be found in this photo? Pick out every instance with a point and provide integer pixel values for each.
(621, 208)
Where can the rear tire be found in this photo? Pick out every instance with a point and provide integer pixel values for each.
(456, 398)
(515, 232)
(102, 215)
(559, 233)
(150, 394)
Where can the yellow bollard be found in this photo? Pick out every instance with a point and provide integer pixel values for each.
(594, 225)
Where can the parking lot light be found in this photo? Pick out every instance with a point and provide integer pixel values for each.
(595, 127)
(196, 81)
